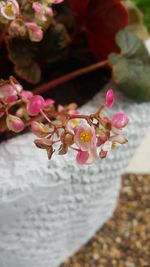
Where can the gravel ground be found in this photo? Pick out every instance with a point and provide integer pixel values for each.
(124, 241)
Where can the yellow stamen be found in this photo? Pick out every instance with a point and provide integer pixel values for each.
(113, 146)
(75, 122)
(9, 10)
(85, 136)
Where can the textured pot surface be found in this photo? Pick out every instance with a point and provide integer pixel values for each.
(48, 209)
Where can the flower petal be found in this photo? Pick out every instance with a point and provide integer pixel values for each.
(82, 157)
(118, 139)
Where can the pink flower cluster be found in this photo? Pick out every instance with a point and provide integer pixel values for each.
(88, 136)
(20, 23)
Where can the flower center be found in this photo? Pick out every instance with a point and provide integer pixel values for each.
(85, 136)
(9, 10)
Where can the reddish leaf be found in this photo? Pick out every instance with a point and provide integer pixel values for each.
(102, 20)
(79, 8)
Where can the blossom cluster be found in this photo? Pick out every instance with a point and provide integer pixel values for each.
(27, 18)
(61, 129)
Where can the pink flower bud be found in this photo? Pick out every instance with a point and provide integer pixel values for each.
(38, 8)
(27, 94)
(102, 139)
(82, 157)
(58, 1)
(8, 93)
(119, 120)
(110, 98)
(61, 108)
(35, 31)
(20, 112)
(39, 129)
(35, 104)
(49, 102)
(14, 124)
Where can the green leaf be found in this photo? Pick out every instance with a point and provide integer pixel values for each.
(132, 78)
(131, 69)
(113, 58)
(130, 44)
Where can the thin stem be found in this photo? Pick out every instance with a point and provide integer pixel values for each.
(70, 76)
(45, 116)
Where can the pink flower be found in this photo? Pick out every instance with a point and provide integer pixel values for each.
(119, 120)
(110, 98)
(85, 137)
(35, 31)
(35, 104)
(39, 11)
(14, 124)
(42, 11)
(10, 9)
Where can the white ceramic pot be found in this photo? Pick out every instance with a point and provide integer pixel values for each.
(48, 209)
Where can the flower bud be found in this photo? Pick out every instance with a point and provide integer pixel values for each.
(35, 31)
(20, 112)
(119, 120)
(35, 104)
(43, 143)
(8, 93)
(49, 102)
(63, 150)
(67, 138)
(14, 123)
(58, 1)
(109, 101)
(103, 154)
(39, 129)
(26, 94)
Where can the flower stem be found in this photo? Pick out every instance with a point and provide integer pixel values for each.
(67, 77)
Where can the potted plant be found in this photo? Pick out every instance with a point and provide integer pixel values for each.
(50, 208)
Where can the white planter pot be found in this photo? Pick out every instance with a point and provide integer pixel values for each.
(48, 209)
